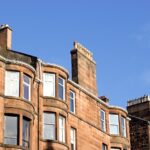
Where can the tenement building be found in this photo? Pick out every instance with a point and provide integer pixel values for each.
(42, 109)
(139, 112)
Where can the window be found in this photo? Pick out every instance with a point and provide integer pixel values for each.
(72, 101)
(12, 83)
(123, 126)
(61, 85)
(104, 147)
(49, 126)
(113, 124)
(61, 129)
(26, 133)
(26, 87)
(103, 122)
(11, 130)
(49, 84)
(73, 138)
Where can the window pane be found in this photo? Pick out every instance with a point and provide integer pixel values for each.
(103, 123)
(11, 130)
(73, 138)
(9, 140)
(102, 115)
(26, 133)
(114, 124)
(49, 118)
(72, 101)
(71, 105)
(26, 92)
(61, 129)
(49, 126)
(26, 79)
(26, 87)
(61, 81)
(12, 83)
(113, 119)
(49, 132)
(61, 92)
(114, 129)
(71, 94)
(61, 86)
(123, 126)
(49, 84)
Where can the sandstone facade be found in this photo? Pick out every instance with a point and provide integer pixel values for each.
(77, 118)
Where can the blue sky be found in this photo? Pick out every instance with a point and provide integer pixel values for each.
(117, 32)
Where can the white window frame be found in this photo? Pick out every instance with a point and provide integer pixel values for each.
(112, 124)
(29, 86)
(103, 121)
(62, 121)
(73, 138)
(11, 83)
(73, 100)
(123, 126)
(63, 86)
(50, 125)
(48, 84)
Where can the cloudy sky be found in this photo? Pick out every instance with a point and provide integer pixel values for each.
(117, 32)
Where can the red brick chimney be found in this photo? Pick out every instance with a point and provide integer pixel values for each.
(5, 37)
(84, 68)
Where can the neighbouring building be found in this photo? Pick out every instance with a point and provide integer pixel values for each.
(139, 112)
(42, 109)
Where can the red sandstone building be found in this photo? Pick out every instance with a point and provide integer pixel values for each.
(42, 109)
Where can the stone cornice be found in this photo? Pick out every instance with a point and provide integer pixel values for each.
(16, 62)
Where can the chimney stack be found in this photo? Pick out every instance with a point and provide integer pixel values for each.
(84, 68)
(5, 37)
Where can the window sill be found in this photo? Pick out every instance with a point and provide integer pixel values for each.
(115, 135)
(11, 146)
(73, 113)
(54, 141)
